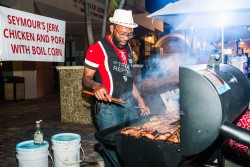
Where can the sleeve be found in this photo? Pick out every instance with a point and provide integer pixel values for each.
(93, 57)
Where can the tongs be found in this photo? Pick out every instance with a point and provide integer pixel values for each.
(117, 100)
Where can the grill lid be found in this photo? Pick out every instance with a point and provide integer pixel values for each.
(209, 97)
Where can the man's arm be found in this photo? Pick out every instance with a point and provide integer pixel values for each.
(87, 78)
(144, 108)
(87, 81)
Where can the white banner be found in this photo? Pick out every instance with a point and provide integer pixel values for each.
(29, 37)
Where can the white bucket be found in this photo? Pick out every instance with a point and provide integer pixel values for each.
(66, 149)
(31, 154)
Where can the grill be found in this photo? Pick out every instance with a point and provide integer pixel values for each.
(211, 98)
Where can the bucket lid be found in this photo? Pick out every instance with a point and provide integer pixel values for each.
(64, 138)
(30, 146)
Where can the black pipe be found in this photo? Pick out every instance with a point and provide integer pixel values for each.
(236, 133)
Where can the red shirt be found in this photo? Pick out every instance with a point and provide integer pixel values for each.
(114, 66)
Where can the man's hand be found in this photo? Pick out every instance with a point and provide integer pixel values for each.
(87, 80)
(144, 109)
(101, 93)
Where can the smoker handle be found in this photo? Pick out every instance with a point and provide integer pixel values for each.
(236, 133)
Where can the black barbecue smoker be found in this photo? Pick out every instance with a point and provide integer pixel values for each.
(211, 97)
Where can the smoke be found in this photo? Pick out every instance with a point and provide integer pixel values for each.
(200, 22)
(161, 72)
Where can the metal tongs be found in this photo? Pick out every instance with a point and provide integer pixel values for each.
(117, 100)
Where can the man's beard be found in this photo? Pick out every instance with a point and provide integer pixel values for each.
(117, 44)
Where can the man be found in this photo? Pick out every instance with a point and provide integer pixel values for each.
(108, 72)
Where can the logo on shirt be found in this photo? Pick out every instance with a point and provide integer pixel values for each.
(125, 69)
(125, 78)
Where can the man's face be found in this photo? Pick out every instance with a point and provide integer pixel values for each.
(121, 35)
